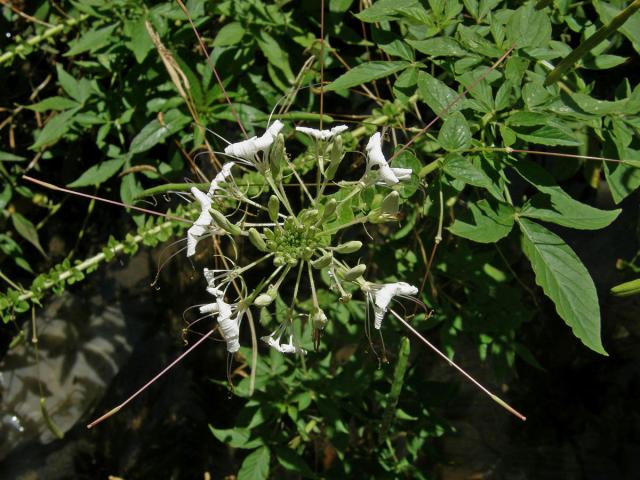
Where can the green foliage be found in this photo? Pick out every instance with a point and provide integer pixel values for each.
(110, 110)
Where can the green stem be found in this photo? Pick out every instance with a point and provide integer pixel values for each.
(585, 47)
(35, 40)
(396, 388)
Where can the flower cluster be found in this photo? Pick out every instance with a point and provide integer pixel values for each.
(295, 236)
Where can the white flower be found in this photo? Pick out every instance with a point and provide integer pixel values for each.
(230, 326)
(375, 158)
(322, 134)
(247, 149)
(210, 277)
(202, 224)
(209, 308)
(222, 175)
(383, 294)
(285, 348)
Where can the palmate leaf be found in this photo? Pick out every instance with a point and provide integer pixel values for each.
(565, 280)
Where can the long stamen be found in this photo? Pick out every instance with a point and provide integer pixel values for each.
(493, 397)
(115, 410)
(51, 186)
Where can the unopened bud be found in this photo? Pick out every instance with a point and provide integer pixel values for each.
(391, 204)
(336, 155)
(319, 319)
(352, 273)
(225, 224)
(323, 261)
(329, 208)
(263, 300)
(274, 208)
(257, 241)
(349, 247)
(276, 156)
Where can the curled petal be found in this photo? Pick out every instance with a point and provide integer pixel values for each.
(247, 149)
(374, 151)
(231, 331)
(222, 175)
(387, 175)
(383, 296)
(201, 225)
(322, 134)
(402, 173)
(209, 308)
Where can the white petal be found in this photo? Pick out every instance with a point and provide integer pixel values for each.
(338, 130)
(374, 151)
(387, 175)
(402, 173)
(245, 149)
(312, 132)
(231, 332)
(209, 308)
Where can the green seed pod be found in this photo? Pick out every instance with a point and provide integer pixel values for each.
(263, 300)
(349, 247)
(257, 241)
(329, 208)
(353, 273)
(276, 156)
(225, 224)
(628, 288)
(391, 204)
(323, 261)
(336, 155)
(274, 208)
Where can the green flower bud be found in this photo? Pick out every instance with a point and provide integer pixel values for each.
(349, 247)
(256, 240)
(308, 215)
(276, 156)
(353, 273)
(391, 204)
(225, 224)
(274, 208)
(263, 300)
(323, 261)
(329, 208)
(336, 155)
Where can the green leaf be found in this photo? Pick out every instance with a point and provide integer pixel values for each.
(455, 133)
(437, 95)
(77, 89)
(54, 129)
(485, 224)
(139, 41)
(385, 10)
(366, 72)
(276, 56)
(256, 465)
(462, 168)
(556, 205)
(91, 41)
(10, 157)
(439, 47)
(623, 178)
(631, 27)
(561, 209)
(155, 132)
(27, 230)
(99, 173)
(234, 437)
(53, 103)
(529, 27)
(294, 462)
(230, 34)
(565, 280)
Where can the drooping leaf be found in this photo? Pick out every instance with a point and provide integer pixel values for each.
(565, 280)
(27, 230)
(561, 209)
(455, 133)
(439, 47)
(384, 10)
(555, 205)
(277, 56)
(485, 223)
(256, 465)
(294, 463)
(99, 173)
(10, 157)
(367, 72)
